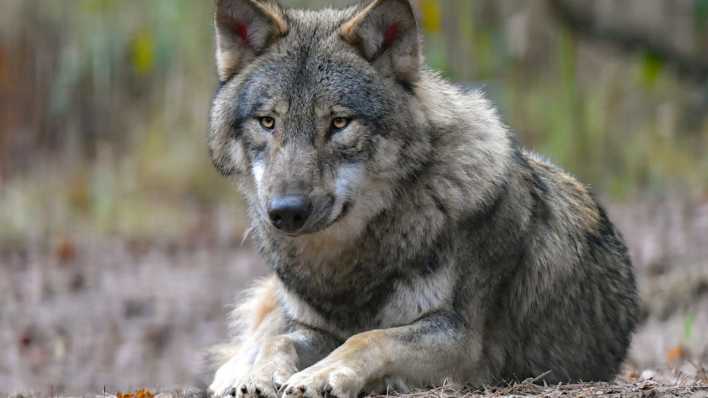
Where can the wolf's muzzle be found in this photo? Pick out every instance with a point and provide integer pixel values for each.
(289, 213)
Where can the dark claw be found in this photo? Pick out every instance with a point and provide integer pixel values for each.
(276, 386)
(258, 391)
(244, 389)
(232, 392)
(327, 392)
(301, 388)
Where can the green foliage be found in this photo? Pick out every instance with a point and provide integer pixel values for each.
(619, 122)
(128, 84)
(701, 7)
(652, 67)
(688, 326)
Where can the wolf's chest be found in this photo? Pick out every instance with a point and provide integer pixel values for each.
(400, 301)
(414, 297)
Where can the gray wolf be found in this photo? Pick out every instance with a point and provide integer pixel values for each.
(411, 238)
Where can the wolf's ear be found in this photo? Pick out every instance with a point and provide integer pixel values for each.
(244, 29)
(386, 33)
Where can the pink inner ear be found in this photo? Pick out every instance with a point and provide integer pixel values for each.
(391, 34)
(242, 31)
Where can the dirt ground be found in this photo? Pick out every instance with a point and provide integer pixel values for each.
(96, 316)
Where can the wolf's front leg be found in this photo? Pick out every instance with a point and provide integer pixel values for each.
(277, 358)
(433, 348)
(268, 349)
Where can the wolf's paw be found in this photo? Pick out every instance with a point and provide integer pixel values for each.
(254, 389)
(328, 381)
(227, 377)
(263, 383)
(249, 389)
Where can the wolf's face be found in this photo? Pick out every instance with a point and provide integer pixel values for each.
(315, 109)
(307, 125)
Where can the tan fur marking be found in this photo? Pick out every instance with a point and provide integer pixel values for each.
(266, 305)
(576, 194)
(349, 28)
(362, 341)
(227, 64)
(274, 13)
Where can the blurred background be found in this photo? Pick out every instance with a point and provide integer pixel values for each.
(121, 248)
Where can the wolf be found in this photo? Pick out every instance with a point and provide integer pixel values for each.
(411, 238)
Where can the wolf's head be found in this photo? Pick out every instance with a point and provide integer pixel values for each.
(316, 117)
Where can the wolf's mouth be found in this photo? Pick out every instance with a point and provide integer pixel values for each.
(320, 226)
(346, 206)
(320, 223)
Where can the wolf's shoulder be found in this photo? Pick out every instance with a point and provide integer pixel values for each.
(555, 175)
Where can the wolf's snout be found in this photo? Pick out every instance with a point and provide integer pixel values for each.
(289, 213)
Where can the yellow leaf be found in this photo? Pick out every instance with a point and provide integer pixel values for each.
(143, 53)
(431, 15)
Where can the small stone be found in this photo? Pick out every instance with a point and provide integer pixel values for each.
(647, 375)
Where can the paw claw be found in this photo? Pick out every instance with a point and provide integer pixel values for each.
(319, 381)
(327, 391)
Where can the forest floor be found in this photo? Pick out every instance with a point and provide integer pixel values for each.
(95, 316)
(620, 389)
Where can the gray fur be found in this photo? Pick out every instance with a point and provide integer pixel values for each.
(433, 233)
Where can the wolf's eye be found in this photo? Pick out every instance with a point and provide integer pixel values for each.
(267, 122)
(340, 123)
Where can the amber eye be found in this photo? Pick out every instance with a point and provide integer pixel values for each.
(339, 123)
(267, 122)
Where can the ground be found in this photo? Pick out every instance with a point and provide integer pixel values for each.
(90, 315)
(640, 389)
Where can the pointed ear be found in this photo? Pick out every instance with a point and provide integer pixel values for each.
(244, 29)
(386, 33)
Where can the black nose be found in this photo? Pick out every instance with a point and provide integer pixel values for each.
(289, 213)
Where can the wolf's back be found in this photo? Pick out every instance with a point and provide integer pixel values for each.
(571, 301)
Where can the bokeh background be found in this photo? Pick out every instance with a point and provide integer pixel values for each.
(121, 248)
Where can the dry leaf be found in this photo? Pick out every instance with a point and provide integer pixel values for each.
(65, 251)
(144, 393)
(676, 354)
